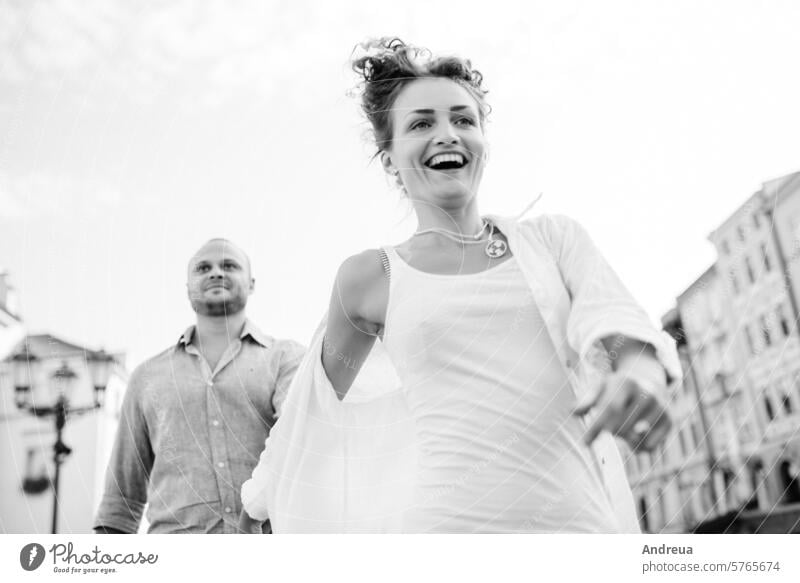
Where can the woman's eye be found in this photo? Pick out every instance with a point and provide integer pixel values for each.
(465, 121)
(420, 124)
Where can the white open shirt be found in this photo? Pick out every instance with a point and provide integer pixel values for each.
(331, 466)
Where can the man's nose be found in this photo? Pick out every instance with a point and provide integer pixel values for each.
(215, 272)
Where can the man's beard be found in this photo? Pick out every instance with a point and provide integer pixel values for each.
(217, 309)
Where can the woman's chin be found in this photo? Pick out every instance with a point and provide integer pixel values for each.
(456, 196)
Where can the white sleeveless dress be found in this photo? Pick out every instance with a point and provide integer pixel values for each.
(498, 448)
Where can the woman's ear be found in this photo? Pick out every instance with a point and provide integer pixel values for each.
(391, 170)
(386, 161)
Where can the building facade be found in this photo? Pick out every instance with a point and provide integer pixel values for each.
(737, 417)
(27, 442)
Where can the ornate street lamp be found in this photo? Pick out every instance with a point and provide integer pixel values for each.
(100, 364)
(63, 379)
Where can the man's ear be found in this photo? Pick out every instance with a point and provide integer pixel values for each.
(252, 284)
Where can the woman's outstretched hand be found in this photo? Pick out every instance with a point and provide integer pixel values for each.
(630, 405)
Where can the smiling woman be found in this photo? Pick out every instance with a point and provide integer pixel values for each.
(489, 324)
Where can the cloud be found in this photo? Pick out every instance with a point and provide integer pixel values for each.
(45, 195)
(10, 207)
(145, 49)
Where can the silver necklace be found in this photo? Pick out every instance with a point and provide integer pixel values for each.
(495, 248)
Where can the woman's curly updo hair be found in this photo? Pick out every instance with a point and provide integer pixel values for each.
(390, 64)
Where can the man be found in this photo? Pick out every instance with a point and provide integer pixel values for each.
(195, 417)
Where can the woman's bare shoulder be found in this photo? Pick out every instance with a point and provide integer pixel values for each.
(360, 284)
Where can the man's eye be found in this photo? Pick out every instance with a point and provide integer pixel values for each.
(229, 266)
(202, 268)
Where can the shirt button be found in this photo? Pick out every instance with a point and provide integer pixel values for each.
(569, 363)
(215, 423)
(221, 464)
(228, 509)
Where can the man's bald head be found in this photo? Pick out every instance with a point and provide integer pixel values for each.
(218, 279)
(228, 248)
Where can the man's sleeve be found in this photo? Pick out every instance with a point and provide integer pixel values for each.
(128, 470)
(291, 357)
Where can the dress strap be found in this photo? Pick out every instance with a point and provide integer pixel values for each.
(387, 267)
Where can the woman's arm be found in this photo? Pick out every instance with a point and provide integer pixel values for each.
(631, 400)
(355, 318)
(601, 305)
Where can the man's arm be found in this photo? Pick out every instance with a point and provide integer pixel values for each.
(128, 471)
(107, 530)
(249, 525)
(291, 357)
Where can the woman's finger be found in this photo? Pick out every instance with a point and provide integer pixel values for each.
(609, 418)
(597, 426)
(662, 425)
(639, 409)
(591, 399)
(659, 424)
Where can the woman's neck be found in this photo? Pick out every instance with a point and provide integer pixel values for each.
(465, 221)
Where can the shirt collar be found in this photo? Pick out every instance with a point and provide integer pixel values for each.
(249, 329)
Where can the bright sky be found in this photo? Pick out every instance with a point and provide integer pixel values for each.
(132, 132)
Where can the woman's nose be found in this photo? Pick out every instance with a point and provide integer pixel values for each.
(447, 135)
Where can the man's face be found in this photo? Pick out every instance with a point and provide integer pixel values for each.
(219, 281)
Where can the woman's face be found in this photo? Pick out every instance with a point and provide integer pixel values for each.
(438, 146)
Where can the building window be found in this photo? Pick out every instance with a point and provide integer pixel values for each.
(726, 248)
(749, 336)
(756, 222)
(797, 385)
(696, 434)
(688, 433)
(643, 514)
(768, 408)
(784, 322)
(750, 275)
(734, 282)
(796, 234)
(786, 401)
(765, 253)
(765, 331)
(662, 508)
(682, 441)
(740, 233)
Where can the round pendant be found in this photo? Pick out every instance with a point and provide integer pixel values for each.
(496, 248)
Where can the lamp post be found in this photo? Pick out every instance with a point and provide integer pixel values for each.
(26, 371)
